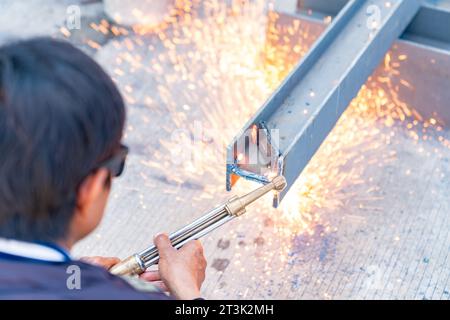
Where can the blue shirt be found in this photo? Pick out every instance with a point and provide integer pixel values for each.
(41, 271)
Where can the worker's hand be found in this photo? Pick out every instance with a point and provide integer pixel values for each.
(105, 262)
(154, 278)
(183, 270)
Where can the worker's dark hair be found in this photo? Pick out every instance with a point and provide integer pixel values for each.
(60, 116)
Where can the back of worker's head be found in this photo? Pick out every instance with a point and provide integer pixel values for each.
(60, 116)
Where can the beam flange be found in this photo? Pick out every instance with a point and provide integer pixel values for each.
(426, 46)
(307, 105)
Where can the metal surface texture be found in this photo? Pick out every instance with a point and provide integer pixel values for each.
(309, 102)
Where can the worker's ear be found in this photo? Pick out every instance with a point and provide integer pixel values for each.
(91, 201)
(91, 194)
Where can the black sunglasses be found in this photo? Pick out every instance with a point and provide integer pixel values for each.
(116, 163)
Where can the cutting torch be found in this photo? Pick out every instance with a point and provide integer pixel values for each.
(234, 207)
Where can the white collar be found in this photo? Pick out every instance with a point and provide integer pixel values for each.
(31, 250)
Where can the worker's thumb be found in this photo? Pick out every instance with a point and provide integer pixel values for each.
(162, 242)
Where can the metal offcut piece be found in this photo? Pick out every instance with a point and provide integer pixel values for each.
(235, 207)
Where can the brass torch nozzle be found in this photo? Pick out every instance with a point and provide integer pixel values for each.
(139, 262)
(236, 206)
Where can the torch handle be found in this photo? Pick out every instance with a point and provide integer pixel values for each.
(192, 231)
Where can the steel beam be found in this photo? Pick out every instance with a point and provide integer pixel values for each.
(321, 8)
(425, 43)
(307, 105)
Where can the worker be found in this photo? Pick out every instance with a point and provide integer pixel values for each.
(61, 126)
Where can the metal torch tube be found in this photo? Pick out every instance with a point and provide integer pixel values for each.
(199, 222)
(235, 207)
(191, 234)
(139, 262)
(178, 239)
(187, 231)
(155, 259)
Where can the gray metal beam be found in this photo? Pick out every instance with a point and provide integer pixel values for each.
(321, 7)
(307, 105)
(425, 43)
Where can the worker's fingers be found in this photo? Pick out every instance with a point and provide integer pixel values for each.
(150, 276)
(154, 278)
(160, 285)
(162, 242)
(105, 262)
(194, 246)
